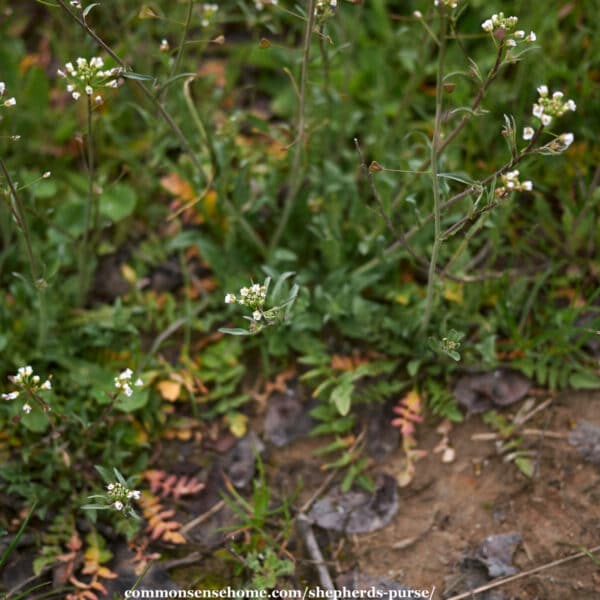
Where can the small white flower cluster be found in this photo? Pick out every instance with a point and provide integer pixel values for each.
(260, 4)
(547, 107)
(123, 382)
(121, 496)
(28, 381)
(446, 3)
(85, 77)
(9, 102)
(325, 8)
(252, 297)
(208, 11)
(512, 183)
(507, 25)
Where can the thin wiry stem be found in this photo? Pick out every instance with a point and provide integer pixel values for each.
(294, 178)
(437, 239)
(186, 29)
(90, 217)
(18, 211)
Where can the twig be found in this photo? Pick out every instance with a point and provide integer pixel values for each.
(490, 437)
(203, 517)
(305, 529)
(495, 584)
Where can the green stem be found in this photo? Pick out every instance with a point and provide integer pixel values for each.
(435, 143)
(18, 211)
(90, 218)
(186, 28)
(294, 178)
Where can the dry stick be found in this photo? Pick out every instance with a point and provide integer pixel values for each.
(313, 549)
(495, 584)
(203, 517)
(294, 178)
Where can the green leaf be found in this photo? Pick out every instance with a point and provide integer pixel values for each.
(137, 400)
(117, 202)
(87, 9)
(525, 465)
(583, 380)
(137, 76)
(341, 397)
(36, 421)
(235, 331)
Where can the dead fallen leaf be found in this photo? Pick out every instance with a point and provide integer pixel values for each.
(169, 390)
(484, 391)
(357, 511)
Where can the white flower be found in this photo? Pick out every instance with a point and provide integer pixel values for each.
(69, 68)
(118, 505)
(567, 139)
(519, 35)
(45, 176)
(135, 494)
(570, 105)
(527, 185)
(2, 88)
(164, 46)
(543, 90)
(538, 110)
(46, 385)
(10, 102)
(256, 288)
(81, 62)
(26, 371)
(10, 396)
(76, 95)
(531, 37)
(257, 315)
(417, 14)
(229, 299)
(528, 133)
(511, 43)
(244, 292)
(138, 382)
(89, 90)
(36, 378)
(110, 487)
(127, 389)
(98, 100)
(26, 408)
(113, 83)
(126, 375)
(557, 95)
(97, 62)
(546, 119)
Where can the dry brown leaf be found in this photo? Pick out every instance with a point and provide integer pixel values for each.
(169, 390)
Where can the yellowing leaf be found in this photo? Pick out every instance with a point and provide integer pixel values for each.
(129, 274)
(453, 292)
(169, 390)
(403, 299)
(178, 186)
(238, 424)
